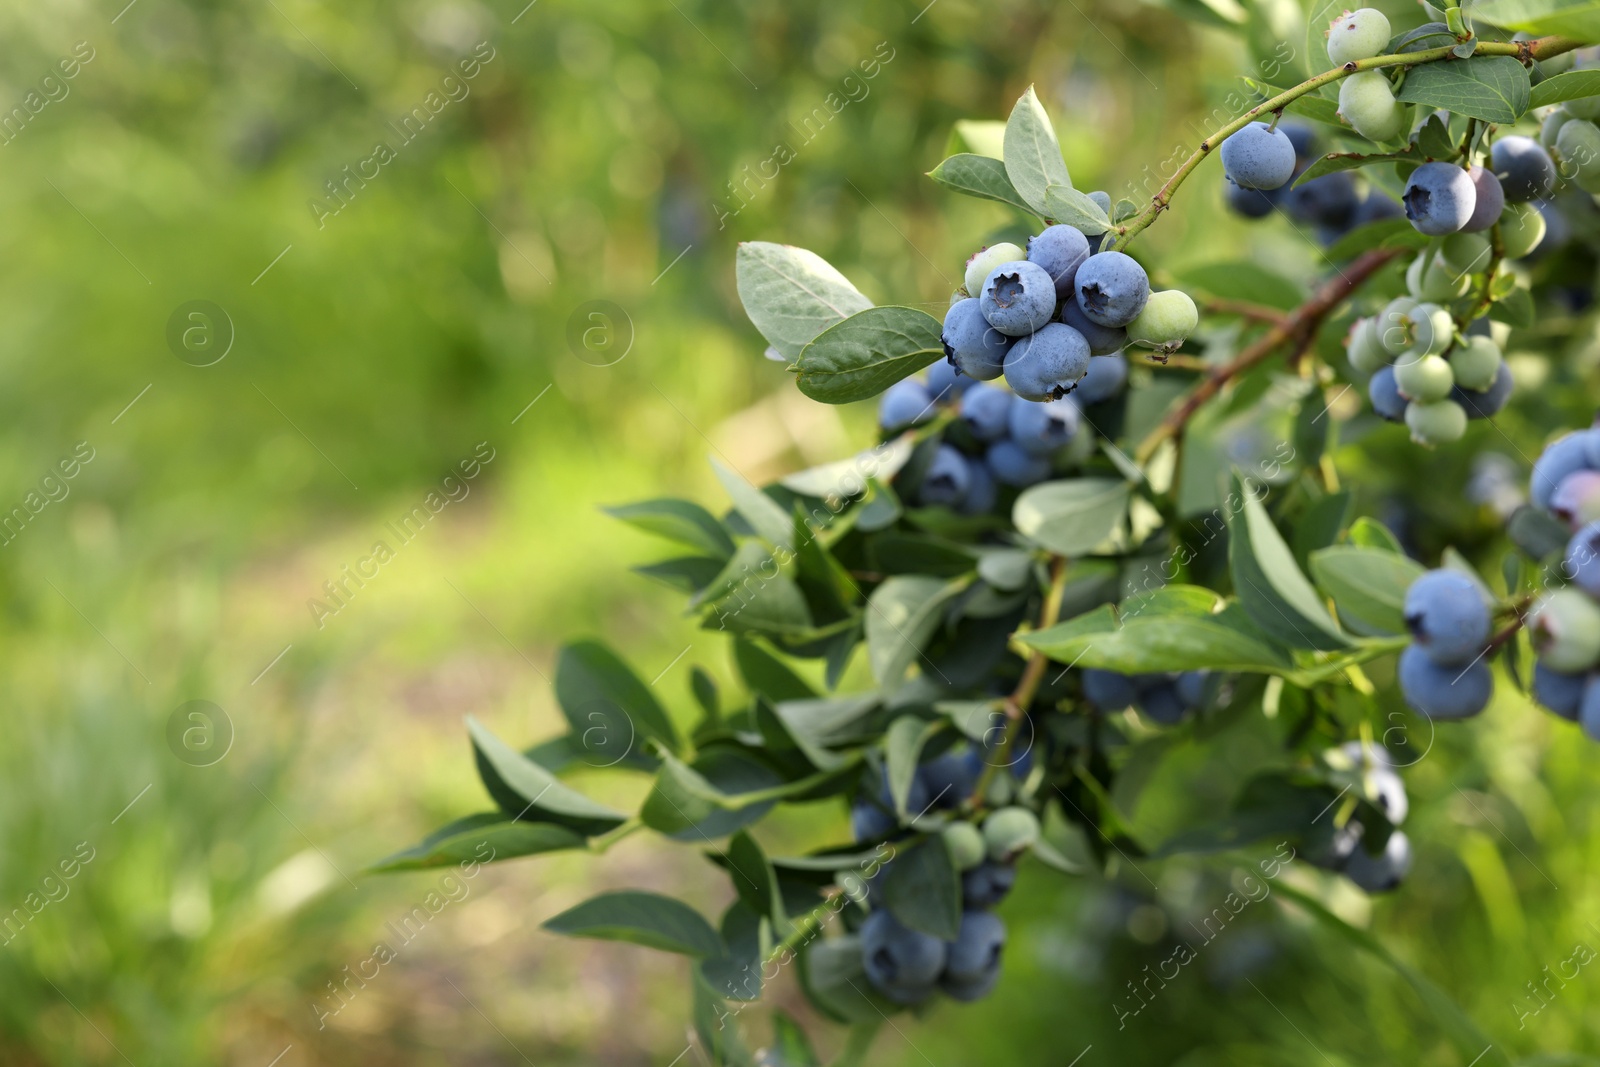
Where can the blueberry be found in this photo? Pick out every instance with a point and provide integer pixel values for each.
(976, 951)
(1366, 101)
(1162, 703)
(1436, 422)
(1522, 227)
(1565, 455)
(1550, 128)
(905, 403)
(1103, 198)
(1018, 298)
(1258, 157)
(947, 479)
(1376, 207)
(1009, 832)
(986, 409)
(901, 963)
(964, 841)
(1011, 466)
(1489, 402)
(982, 492)
(1106, 377)
(970, 991)
(1491, 200)
(1042, 429)
(1326, 201)
(1589, 709)
(1476, 363)
(1330, 847)
(948, 779)
(1394, 331)
(1565, 628)
(971, 345)
(1251, 203)
(1060, 250)
(1423, 380)
(1112, 288)
(1447, 617)
(1388, 793)
(1462, 254)
(1103, 340)
(869, 822)
(1561, 693)
(1441, 692)
(946, 383)
(987, 259)
(1108, 690)
(987, 884)
(1047, 365)
(1362, 347)
(1304, 139)
(1166, 321)
(1191, 686)
(1379, 874)
(1576, 501)
(1385, 396)
(1439, 198)
(1524, 169)
(1357, 35)
(1578, 144)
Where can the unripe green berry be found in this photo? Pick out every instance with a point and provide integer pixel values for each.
(981, 263)
(1585, 107)
(1009, 832)
(1552, 126)
(1393, 332)
(1565, 627)
(1464, 254)
(1437, 423)
(1424, 380)
(1367, 102)
(1578, 144)
(1476, 363)
(966, 844)
(1167, 319)
(1430, 329)
(1357, 35)
(1363, 347)
(1428, 278)
(1521, 229)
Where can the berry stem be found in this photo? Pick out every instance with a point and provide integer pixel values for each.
(1523, 51)
(1299, 327)
(1245, 309)
(1480, 306)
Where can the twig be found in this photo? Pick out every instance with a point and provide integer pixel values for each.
(1246, 310)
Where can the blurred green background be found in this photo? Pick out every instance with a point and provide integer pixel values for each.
(608, 153)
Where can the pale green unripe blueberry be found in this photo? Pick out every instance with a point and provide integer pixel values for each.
(1393, 333)
(1430, 329)
(1424, 380)
(1367, 102)
(1521, 229)
(1437, 423)
(1167, 319)
(1430, 279)
(1363, 347)
(1578, 144)
(1565, 628)
(1585, 107)
(1552, 126)
(1010, 831)
(1357, 35)
(979, 266)
(1465, 253)
(966, 844)
(1476, 363)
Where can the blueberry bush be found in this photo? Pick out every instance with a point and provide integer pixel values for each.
(1107, 515)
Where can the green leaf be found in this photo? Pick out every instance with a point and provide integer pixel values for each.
(485, 838)
(1568, 18)
(868, 352)
(525, 790)
(1514, 309)
(923, 890)
(1385, 233)
(1160, 642)
(792, 295)
(902, 615)
(1370, 533)
(753, 878)
(1573, 85)
(686, 574)
(902, 746)
(985, 137)
(1063, 203)
(642, 918)
(1033, 155)
(979, 176)
(704, 688)
(1071, 517)
(1492, 88)
(1367, 585)
(609, 708)
(834, 978)
(851, 477)
(766, 674)
(768, 518)
(1237, 280)
(1337, 161)
(1271, 588)
(682, 521)
(742, 791)
(789, 1045)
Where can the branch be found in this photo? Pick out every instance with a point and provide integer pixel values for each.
(1245, 309)
(1299, 327)
(1523, 51)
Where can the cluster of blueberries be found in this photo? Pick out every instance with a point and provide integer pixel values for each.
(907, 966)
(1443, 673)
(1164, 698)
(1037, 317)
(1007, 441)
(1564, 623)
(1340, 848)
(1332, 205)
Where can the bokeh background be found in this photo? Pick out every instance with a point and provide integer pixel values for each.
(601, 153)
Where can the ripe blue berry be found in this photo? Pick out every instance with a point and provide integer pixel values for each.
(1524, 169)
(905, 403)
(1108, 690)
(1447, 617)
(1161, 702)
(1564, 456)
(975, 953)
(1105, 378)
(1326, 201)
(1258, 157)
(948, 478)
(1439, 198)
(902, 963)
(1112, 288)
(982, 492)
(1047, 365)
(869, 822)
(1251, 203)
(1375, 207)
(1381, 873)
(1103, 340)
(1561, 693)
(948, 779)
(1491, 200)
(1010, 465)
(946, 383)
(1191, 686)
(1018, 298)
(1489, 402)
(986, 409)
(1577, 499)
(987, 884)
(1060, 250)
(1042, 429)
(974, 347)
(1385, 395)
(1441, 692)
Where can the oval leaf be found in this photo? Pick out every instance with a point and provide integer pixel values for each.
(868, 352)
(1573, 85)
(923, 890)
(792, 294)
(648, 919)
(1367, 585)
(525, 790)
(1272, 588)
(682, 521)
(902, 615)
(485, 838)
(978, 176)
(1033, 155)
(1071, 517)
(1160, 642)
(1492, 88)
(609, 708)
